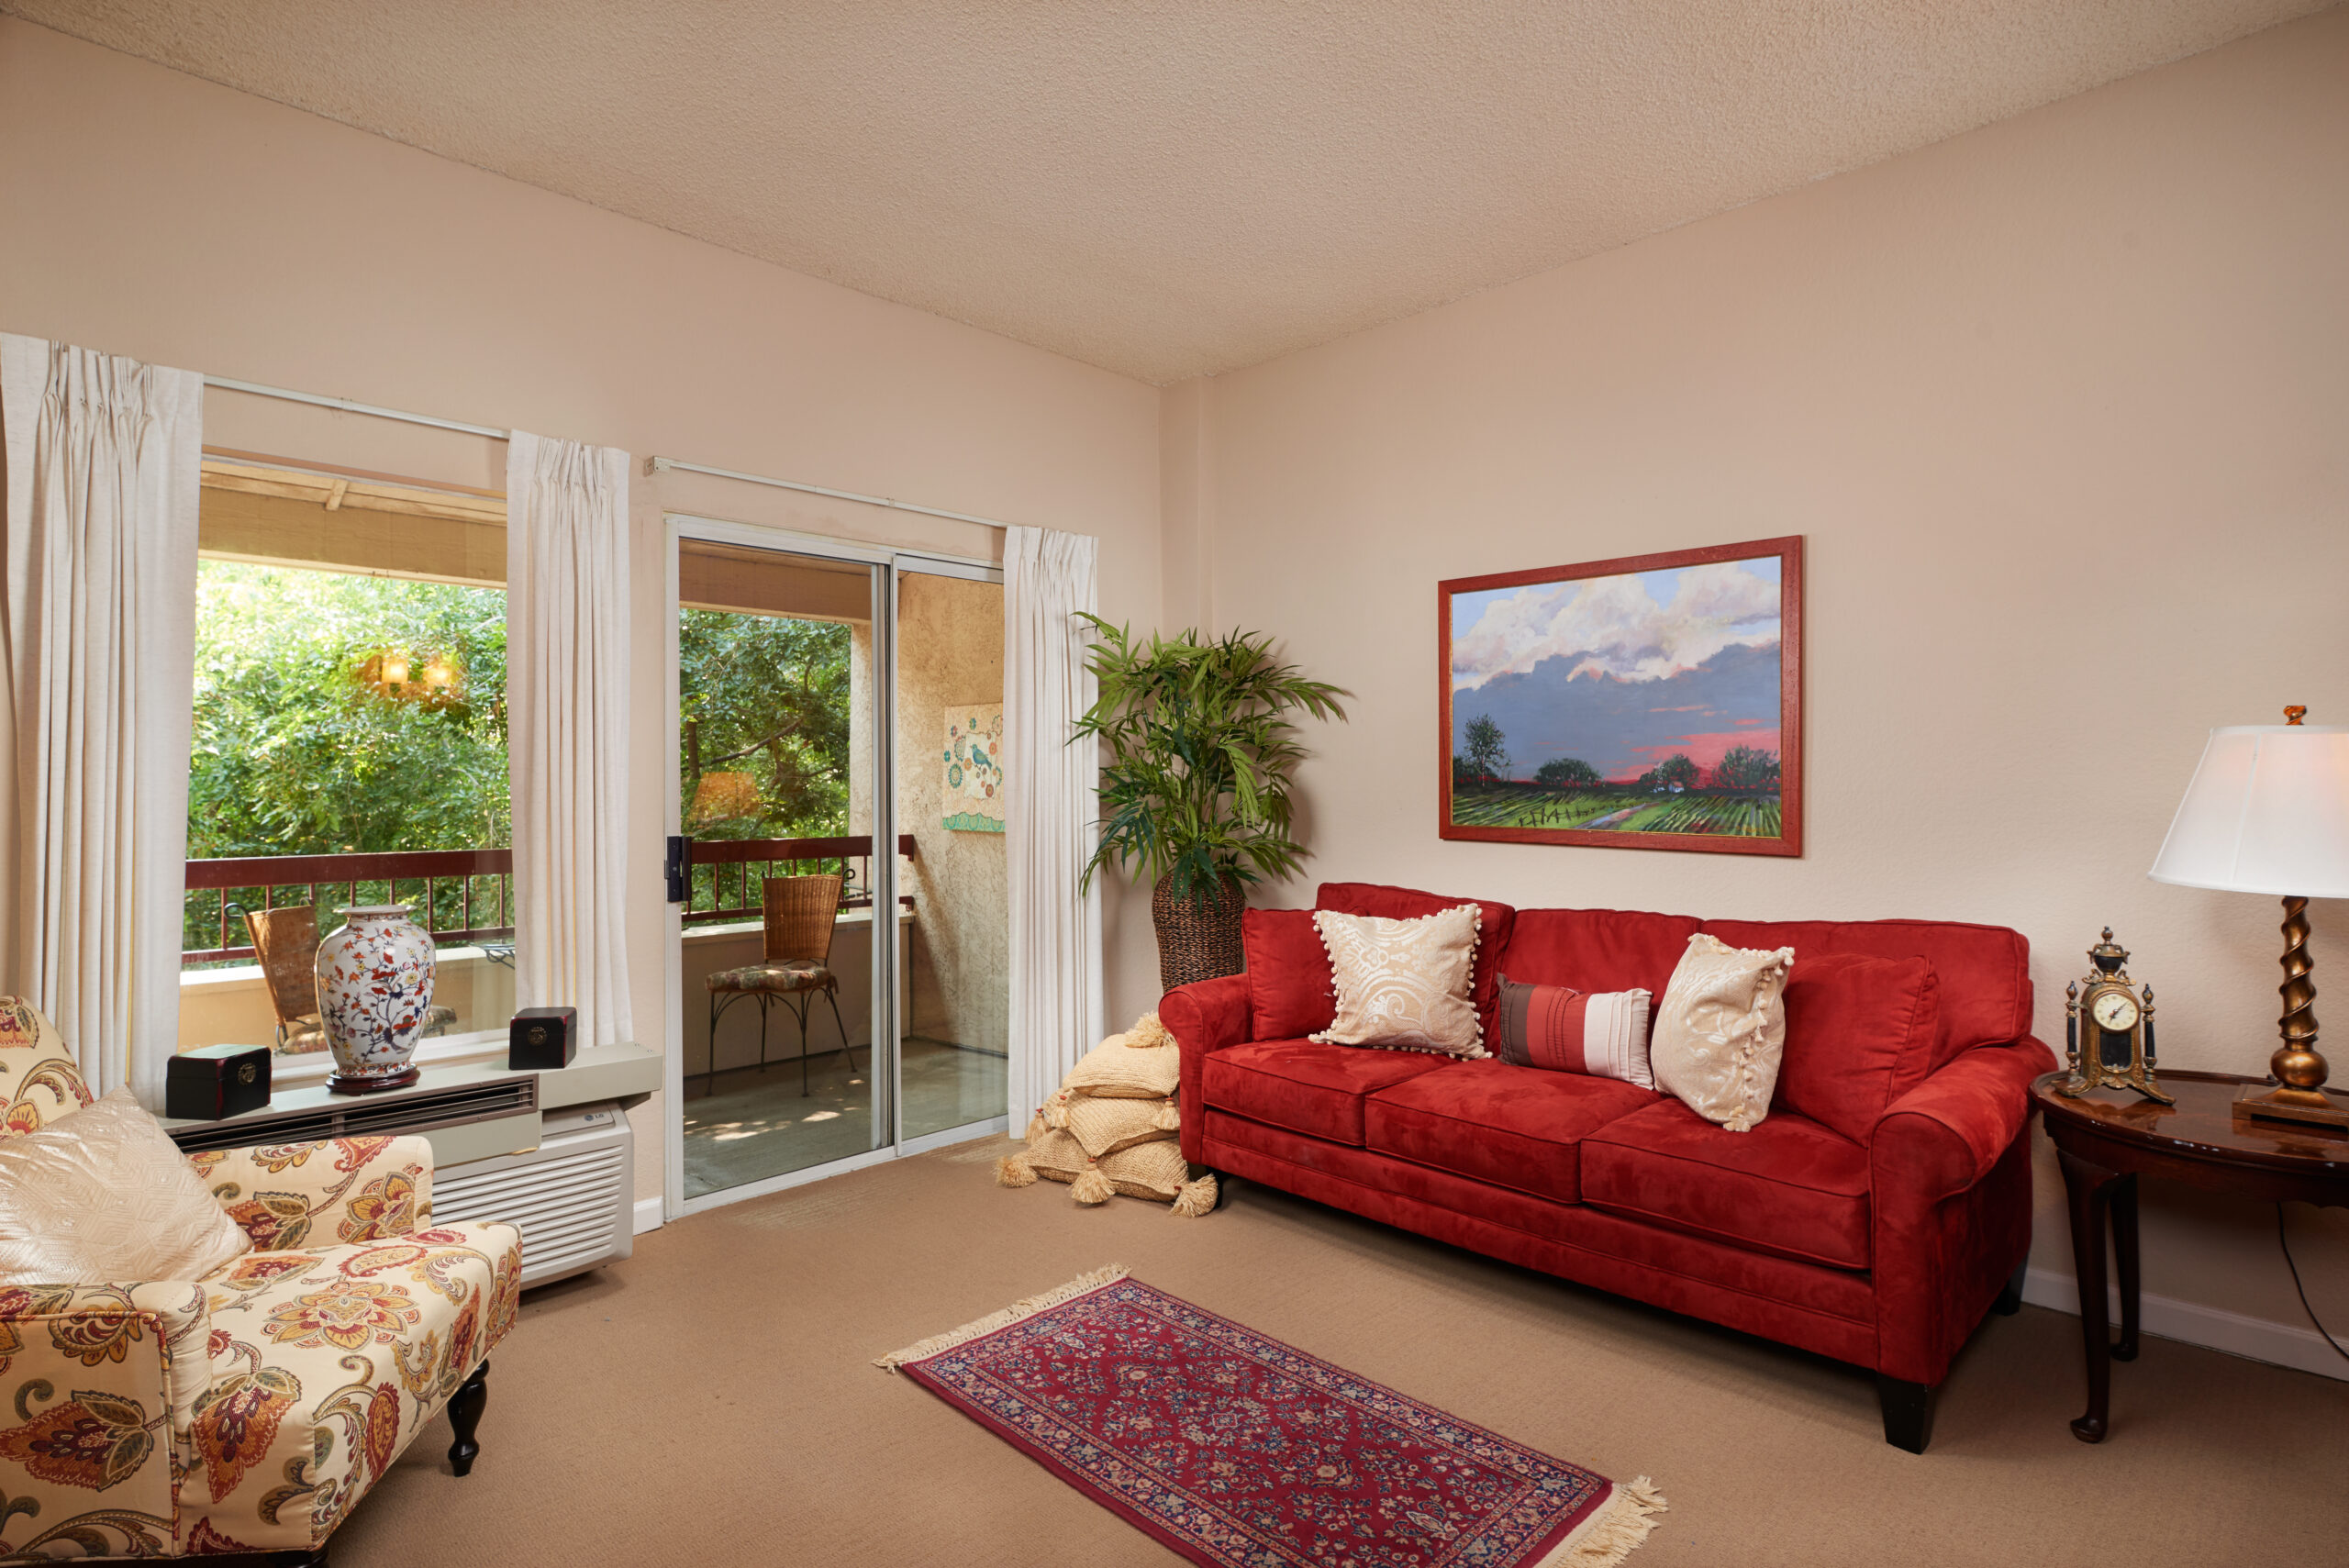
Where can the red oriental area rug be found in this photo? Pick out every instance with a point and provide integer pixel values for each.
(1240, 1452)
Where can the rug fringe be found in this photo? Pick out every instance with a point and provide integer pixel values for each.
(1614, 1532)
(938, 1343)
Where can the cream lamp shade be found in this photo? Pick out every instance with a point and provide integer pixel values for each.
(2267, 812)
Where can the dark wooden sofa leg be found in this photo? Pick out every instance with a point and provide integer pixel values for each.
(1908, 1412)
(2010, 1301)
(464, 1415)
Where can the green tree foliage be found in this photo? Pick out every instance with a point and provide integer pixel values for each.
(766, 696)
(1565, 772)
(1487, 747)
(300, 748)
(1746, 768)
(1195, 787)
(1675, 770)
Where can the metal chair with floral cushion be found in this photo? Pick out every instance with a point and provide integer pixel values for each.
(800, 914)
(239, 1416)
(286, 939)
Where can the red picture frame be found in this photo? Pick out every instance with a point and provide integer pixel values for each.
(1711, 794)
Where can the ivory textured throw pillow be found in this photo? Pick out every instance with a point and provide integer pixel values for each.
(1403, 983)
(1721, 1030)
(104, 1196)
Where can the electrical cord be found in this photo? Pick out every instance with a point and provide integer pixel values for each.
(2284, 1241)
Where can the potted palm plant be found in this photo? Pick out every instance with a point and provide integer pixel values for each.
(1200, 744)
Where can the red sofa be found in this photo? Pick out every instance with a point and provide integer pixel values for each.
(1882, 1244)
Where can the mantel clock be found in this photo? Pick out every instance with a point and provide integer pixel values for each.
(2108, 1029)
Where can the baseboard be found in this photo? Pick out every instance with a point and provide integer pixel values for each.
(2214, 1327)
(649, 1216)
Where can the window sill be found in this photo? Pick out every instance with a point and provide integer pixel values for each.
(446, 1051)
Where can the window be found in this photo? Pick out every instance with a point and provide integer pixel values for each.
(349, 743)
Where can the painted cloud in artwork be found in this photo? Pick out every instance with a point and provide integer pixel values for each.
(1647, 626)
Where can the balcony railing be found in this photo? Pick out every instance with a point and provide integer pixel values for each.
(849, 857)
(450, 889)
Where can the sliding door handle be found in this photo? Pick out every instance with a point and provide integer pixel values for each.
(677, 865)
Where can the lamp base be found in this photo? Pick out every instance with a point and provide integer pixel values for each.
(2273, 1102)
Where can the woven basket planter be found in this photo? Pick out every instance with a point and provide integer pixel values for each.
(1197, 939)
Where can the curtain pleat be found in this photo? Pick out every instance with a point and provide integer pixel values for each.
(104, 475)
(1050, 812)
(567, 687)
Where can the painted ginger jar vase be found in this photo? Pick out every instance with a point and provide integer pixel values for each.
(374, 997)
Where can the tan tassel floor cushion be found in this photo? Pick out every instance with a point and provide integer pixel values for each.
(1143, 1064)
(1104, 1127)
(1156, 1171)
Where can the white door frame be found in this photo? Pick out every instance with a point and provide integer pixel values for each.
(889, 1136)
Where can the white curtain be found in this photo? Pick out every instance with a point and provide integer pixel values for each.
(1050, 810)
(104, 470)
(566, 694)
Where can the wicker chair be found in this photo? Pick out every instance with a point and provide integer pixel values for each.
(800, 913)
(288, 940)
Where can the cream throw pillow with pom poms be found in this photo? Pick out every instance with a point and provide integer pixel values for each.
(1404, 983)
(1721, 1030)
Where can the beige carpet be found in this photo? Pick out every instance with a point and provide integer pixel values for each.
(710, 1401)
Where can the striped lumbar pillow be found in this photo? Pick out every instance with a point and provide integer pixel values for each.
(1566, 1031)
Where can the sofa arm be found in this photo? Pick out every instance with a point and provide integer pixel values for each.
(103, 1382)
(1949, 1173)
(1945, 1135)
(1204, 1016)
(342, 1189)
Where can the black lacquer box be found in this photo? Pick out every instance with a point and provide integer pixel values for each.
(542, 1039)
(217, 1081)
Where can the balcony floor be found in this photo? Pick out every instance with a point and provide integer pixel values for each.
(756, 1123)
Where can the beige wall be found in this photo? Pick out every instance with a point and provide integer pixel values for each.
(153, 214)
(2062, 407)
(950, 655)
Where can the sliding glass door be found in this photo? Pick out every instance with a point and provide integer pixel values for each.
(949, 806)
(837, 858)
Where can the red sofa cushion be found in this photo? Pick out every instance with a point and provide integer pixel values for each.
(1984, 970)
(1513, 1127)
(1597, 949)
(1494, 922)
(1790, 1186)
(1860, 1034)
(1306, 1087)
(1290, 990)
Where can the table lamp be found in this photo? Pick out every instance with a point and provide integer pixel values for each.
(2267, 811)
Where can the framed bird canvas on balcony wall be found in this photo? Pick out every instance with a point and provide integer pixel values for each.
(1652, 702)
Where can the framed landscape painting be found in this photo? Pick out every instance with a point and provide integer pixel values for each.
(1652, 702)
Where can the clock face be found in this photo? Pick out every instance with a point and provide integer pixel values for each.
(2116, 1010)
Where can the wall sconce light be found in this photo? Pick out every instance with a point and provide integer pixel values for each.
(439, 675)
(395, 670)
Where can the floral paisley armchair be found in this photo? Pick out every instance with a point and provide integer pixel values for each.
(243, 1413)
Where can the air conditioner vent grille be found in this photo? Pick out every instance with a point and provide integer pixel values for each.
(422, 1111)
(571, 1207)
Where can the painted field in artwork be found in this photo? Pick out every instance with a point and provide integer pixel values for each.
(1646, 702)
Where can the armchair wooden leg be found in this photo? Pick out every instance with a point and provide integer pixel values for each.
(1908, 1412)
(464, 1415)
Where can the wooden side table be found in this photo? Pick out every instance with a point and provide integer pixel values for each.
(2108, 1138)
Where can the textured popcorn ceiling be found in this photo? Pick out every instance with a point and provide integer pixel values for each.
(1164, 187)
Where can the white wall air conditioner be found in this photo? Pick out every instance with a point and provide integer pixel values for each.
(571, 1196)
